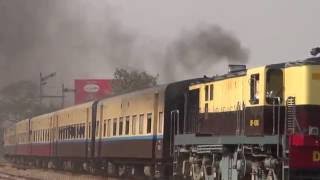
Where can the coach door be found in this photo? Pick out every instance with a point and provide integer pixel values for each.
(174, 119)
(274, 96)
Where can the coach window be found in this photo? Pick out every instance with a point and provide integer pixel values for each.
(77, 131)
(120, 126)
(149, 122)
(73, 131)
(114, 129)
(104, 128)
(109, 125)
(127, 125)
(206, 89)
(141, 120)
(134, 124)
(160, 122)
(66, 132)
(63, 133)
(97, 127)
(82, 130)
(90, 130)
(254, 93)
(69, 132)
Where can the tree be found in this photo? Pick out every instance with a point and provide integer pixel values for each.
(20, 100)
(127, 81)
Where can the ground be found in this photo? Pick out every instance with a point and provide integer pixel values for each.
(43, 174)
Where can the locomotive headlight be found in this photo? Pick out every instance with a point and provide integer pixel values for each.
(314, 131)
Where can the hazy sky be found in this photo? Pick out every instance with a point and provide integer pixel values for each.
(273, 30)
(90, 38)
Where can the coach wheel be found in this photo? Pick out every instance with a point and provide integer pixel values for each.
(121, 170)
(92, 169)
(50, 165)
(77, 166)
(148, 171)
(111, 169)
(196, 172)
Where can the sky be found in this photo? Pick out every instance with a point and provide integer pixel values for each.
(273, 30)
(89, 39)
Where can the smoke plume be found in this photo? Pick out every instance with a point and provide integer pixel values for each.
(76, 39)
(84, 39)
(204, 47)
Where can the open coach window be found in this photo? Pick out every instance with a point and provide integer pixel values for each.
(254, 92)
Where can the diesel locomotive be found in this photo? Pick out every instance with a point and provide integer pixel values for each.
(256, 124)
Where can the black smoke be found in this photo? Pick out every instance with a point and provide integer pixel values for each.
(76, 39)
(204, 47)
(85, 39)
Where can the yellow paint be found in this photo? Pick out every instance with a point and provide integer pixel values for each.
(254, 123)
(302, 82)
(133, 104)
(22, 132)
(231, 93)
(316, 156)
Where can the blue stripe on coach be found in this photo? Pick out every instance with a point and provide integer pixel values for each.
(116, 138)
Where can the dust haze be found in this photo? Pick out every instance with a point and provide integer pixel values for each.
(85, 39)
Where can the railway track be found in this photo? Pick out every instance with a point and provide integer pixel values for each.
(8, 176)
(10, 171)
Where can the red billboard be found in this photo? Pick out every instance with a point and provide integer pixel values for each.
(91, 89)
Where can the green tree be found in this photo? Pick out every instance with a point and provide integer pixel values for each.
(127, 81)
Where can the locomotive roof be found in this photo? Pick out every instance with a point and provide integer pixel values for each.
(308, 61)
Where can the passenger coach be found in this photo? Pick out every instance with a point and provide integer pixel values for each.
(122, 134)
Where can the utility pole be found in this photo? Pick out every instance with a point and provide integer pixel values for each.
(43, 82)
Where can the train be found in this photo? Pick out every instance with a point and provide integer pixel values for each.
(248, 124)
